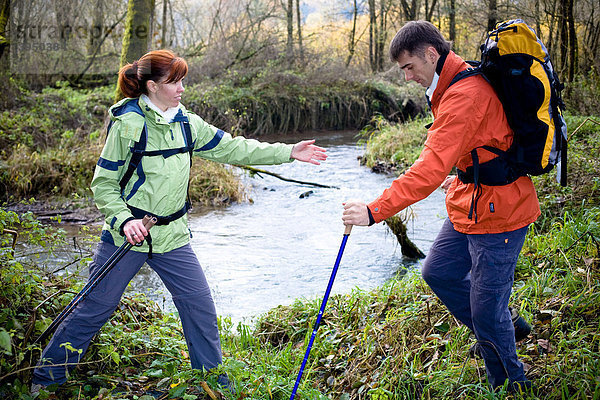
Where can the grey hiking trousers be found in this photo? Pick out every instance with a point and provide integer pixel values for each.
(181, 273)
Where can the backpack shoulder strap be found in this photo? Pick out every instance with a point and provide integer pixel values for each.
(467, 73)
(137, 152)
(139, 146)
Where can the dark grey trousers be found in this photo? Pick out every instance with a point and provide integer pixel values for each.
(473, 276)
(181, 273)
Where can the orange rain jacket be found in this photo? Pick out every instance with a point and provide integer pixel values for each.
(466, 116)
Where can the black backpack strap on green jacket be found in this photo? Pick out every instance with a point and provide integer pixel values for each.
(137, 152)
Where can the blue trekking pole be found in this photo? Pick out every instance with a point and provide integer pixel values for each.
(93, 282)
(323, 304)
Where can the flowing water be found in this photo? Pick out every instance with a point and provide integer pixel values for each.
(281, 247)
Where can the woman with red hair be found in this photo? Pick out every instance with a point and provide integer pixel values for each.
(144, 170)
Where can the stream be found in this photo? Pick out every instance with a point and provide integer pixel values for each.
(280, 247)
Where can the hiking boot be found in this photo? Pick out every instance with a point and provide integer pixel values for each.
(475, 351)
(225, 383)
(36, 389)
(522, 327)
(521, 387)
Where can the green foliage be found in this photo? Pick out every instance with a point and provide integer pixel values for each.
(393, 147)
(23, 312)
(52, 139)
(140, 345)
(213, 184)
(582, 96)
(583, 173)
(283, 102)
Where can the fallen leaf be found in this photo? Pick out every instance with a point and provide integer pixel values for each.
(208, 390)
(545, 344)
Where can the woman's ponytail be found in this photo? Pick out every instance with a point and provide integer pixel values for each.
(129, 84)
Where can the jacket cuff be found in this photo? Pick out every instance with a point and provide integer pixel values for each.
(116, 222)
(371, 219)
(123, 224)
(288, 151)
(375, 212)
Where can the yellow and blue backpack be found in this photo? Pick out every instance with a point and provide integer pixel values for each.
(518, 66)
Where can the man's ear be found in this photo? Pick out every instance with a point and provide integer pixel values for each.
(431, 54)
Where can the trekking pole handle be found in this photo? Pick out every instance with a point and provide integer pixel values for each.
(149, 222)
(348, 229)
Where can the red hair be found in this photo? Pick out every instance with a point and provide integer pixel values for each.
(158, 66)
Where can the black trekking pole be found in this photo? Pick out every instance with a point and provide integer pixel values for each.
(323, 304)
(93, 281)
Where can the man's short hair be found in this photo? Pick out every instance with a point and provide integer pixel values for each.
(414, 37)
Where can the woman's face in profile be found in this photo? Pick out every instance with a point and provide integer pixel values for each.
(166, 95)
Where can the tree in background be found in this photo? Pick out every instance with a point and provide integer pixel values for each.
(138, 30)
(217, 36)
(492, 14)
(299, 29)
(4, 16)
(452, 20)
(289, 52)
(352, 39)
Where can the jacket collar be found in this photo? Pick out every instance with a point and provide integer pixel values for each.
(167, 116)
(448, 66)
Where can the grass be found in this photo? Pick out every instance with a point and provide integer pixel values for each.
(393, 147)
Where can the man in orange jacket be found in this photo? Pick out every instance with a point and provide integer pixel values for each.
(471, 264)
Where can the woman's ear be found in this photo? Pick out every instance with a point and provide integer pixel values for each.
(151, 86)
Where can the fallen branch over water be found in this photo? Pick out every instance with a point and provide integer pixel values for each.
(259, 171)
(408, 248)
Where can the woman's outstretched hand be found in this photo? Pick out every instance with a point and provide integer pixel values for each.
(306, 151)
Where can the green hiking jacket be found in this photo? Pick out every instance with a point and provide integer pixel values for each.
(159, 184)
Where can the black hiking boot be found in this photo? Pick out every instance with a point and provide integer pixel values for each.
(522, 327)
(226, 384)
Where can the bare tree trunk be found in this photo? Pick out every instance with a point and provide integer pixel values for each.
(573, 50)
(214, 22)
(351, 42)
(452, 23)
(591, 41)
(65, 17)
(492, 14)
(289, 53)
(96, 33)
(563, 36)
(372, 34)
(138, 33)
(538, 28)
(381, 35)
(163, 36)
(552, 39)
(299, 25)
(4, 17)
(429, 10)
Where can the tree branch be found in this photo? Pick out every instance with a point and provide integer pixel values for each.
(262, 171)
